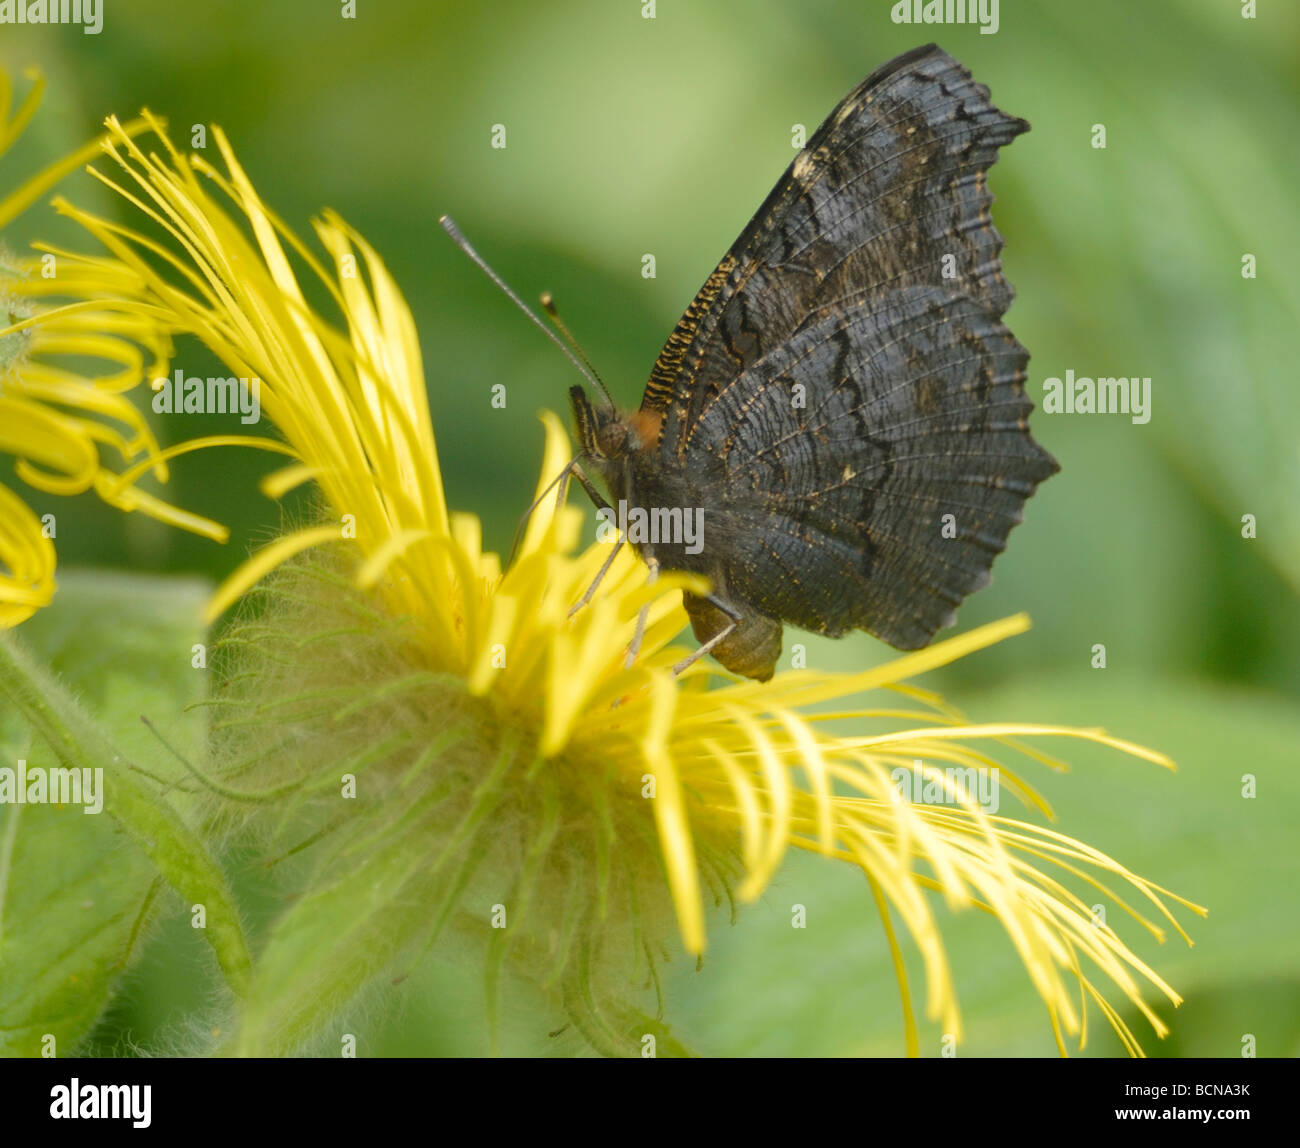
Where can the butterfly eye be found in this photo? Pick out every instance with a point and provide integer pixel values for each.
(612, 439)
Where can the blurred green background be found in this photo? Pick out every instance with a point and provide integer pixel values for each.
(628, 136)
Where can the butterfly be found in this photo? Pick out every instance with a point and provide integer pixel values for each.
(841, 400)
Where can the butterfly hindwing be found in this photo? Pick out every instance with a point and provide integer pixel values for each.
(880, 501)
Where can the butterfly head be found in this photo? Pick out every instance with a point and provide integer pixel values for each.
(604, 433)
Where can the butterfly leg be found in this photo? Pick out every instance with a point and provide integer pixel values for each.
(601, 504)
(600, 577)
(733, 617)
(560, 480)
(634, 648)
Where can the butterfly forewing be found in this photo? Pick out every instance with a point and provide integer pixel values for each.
(891, 184)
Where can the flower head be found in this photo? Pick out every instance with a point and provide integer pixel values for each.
(59, 421)
(509, 756)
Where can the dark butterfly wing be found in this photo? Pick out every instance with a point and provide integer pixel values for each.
(892, 182)
(883, 501)
(842, 382)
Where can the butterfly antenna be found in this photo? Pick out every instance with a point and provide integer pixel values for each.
(552, 312)
(449, 226)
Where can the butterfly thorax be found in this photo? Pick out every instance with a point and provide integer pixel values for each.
(622, 448)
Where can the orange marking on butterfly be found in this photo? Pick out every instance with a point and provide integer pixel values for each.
(645, 426)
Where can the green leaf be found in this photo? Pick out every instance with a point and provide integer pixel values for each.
(337, 938)
(331, 945)
(75, 895)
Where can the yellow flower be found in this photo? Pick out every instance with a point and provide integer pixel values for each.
(56, 421)
(577, 761)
